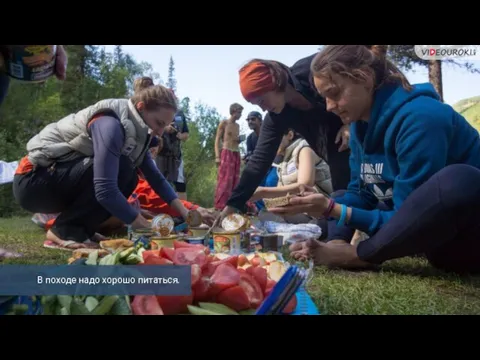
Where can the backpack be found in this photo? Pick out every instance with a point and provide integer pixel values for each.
(172, 145)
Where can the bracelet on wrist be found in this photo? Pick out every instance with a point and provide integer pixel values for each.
(329, 209)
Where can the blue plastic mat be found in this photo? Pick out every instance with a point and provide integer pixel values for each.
(34, 304)
(305, 304)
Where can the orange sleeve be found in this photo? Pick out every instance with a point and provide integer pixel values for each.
(24, 166)
(149, 200)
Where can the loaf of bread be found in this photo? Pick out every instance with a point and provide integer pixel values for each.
(277, 202)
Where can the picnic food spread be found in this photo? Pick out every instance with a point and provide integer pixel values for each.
(222, 282)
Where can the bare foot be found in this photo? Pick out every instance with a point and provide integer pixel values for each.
(5, 254)
(65, 243)
(331, 254)
(296, 246)
(358, 236)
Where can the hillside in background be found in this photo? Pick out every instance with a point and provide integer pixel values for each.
(470, 109)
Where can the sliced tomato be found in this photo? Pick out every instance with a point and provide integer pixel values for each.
(235, 298)
(252, 289)
(146, 305)
(270, 284)
(156, 260)
(174, 305)
(258, 261)
(208, 270)
(196, 272)
(242, 260)
(189, 256)
(148, 253)
(231, 260)
(225, 276)
(260, 275)
(291, 306)
(167, 253)
(201, 289)
(182, 244)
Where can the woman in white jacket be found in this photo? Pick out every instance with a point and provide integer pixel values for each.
(300, 167)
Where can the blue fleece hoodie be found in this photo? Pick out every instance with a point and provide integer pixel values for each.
(409, 137)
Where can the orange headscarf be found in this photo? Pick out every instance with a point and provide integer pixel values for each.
(255, 80)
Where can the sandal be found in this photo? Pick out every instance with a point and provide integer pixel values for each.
(70, 245)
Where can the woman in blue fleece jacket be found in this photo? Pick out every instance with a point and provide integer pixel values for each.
(411, 153)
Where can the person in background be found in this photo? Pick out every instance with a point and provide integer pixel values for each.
(299, 167)
(227, 157)
(288, 95)
(60, 73)
(170, 159)
(254, 120)
(410, 151)
(85, 166)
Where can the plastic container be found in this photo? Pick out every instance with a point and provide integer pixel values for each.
(30, 63)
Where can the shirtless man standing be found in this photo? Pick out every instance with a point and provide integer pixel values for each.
(228, 157)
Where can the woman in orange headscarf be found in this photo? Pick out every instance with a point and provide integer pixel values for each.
(289, 97)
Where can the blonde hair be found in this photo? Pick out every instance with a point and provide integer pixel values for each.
(358, 62)
(235, 107)
(154, 96)
(142, 83)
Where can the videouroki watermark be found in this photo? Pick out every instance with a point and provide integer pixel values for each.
(448, 52)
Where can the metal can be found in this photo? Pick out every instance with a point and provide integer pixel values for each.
(246, 240)
(194, 218)
(166, 241)
(227, 242)
(270, 242)
(142, 241)
(134, 235)
(196, 240)
(163, 224)
(234, 223)
(256, 242)
(30, 63)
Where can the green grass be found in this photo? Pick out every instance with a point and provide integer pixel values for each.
(470, 109)
(406, 286)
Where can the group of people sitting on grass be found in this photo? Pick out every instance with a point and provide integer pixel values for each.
(360, 147)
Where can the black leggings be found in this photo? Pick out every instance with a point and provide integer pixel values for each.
(440, 219)
(67, 188)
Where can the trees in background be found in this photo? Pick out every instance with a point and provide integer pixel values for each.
(404, 56)
(94, 74)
